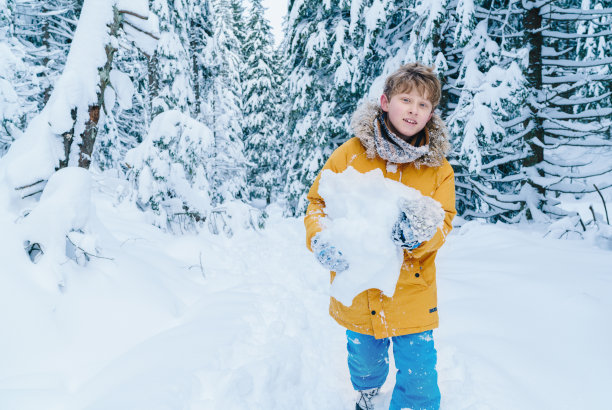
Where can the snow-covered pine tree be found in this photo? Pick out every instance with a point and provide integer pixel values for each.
(169, 170)
(595, 96)
(488, 144)
(19, 85)
(401, 32)
(128, 103)
(127, 109)
(171, 61)
(46, 28)
(320, 67)
(222, 57)
(261, 120)
(239, 23)
(570, 142)
(549, 144)
(201, 32)
(595, 46)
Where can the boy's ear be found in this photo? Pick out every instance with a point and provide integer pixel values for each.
(384, 103)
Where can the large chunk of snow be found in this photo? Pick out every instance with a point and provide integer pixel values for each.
(361, 211)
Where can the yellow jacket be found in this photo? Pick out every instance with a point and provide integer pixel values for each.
(413, 307)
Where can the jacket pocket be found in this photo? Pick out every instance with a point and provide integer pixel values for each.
(412, 275)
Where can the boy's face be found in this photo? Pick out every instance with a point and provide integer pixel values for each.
(408, 112)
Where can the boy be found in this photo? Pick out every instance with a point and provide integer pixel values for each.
(408, 142)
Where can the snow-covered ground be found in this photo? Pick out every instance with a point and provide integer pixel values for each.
(207, 322)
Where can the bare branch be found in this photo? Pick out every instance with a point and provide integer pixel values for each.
(29, 186)
(141, 30)
(604, 203)
(131, 13)
(87, 253)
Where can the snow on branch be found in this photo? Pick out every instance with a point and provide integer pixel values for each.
(558, 34)
(551, 123)
(504, 160)
(577, 64)
(558, 13)
(577, 140)
(142, 28)
(493, 197)
(575, 77)
(575, 188)
(551, 52)
(557, 115)
(558, 101)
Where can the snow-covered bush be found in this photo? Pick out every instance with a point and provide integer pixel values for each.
(170, 174)
(233, 216)
(169, 170)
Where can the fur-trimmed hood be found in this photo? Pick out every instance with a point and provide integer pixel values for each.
(362, 125)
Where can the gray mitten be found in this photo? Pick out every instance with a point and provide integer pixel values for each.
(402, 233)
(418, 221)
(327, 255)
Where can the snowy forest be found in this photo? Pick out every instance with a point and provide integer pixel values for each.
(192, 102)
(155, 157)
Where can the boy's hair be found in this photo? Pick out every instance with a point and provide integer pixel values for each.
(412, 75)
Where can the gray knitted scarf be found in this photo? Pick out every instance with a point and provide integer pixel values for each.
(393, 148)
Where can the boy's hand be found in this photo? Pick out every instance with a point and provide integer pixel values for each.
(418, 222)
(402, 233)
(328, 256)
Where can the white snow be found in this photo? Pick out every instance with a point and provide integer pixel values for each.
(123, 87)
(206, 322)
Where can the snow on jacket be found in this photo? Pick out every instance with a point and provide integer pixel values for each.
(413, 307)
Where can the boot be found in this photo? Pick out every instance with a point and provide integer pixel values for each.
(365, 399)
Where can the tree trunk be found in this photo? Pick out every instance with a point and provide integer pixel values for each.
(88, 137)
(533, 32)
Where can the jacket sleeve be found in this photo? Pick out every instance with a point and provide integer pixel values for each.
(445, 195)
(337, 163)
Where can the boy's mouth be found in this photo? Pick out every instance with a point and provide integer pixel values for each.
(410, 121)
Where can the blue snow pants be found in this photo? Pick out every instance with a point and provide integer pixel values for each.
(416, 382)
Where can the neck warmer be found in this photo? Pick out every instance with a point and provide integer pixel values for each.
(394, 149)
